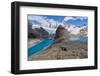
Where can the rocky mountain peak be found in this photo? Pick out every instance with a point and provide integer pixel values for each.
(61, 34)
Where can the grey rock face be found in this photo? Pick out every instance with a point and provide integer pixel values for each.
(37, 32)
(62, 34)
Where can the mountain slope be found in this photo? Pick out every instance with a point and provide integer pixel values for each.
(38, 33)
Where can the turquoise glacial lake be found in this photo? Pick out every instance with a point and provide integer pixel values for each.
(40, 46)
(49, 41)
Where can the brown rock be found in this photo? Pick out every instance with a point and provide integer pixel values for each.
(62, 34)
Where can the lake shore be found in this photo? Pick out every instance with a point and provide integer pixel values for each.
(32, 42)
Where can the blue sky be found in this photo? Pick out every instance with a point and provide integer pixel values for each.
(70, 20)
(77, 21)
(56, 18)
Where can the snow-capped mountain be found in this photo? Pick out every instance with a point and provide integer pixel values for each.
(84, 31)
(77, 30)
(51, 29)
(50, 23)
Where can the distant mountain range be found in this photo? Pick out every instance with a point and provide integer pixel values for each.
(84, 31)
(78, 30)
(44, 31)
(72, 29)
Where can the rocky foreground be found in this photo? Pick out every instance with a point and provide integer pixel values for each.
(67, 50)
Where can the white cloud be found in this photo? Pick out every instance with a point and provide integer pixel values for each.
(44, 21)
(52, 22)
(39, 19)
(69, 18)
(81, 18)
(74, 18)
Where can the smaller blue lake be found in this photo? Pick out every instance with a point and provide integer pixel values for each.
(79, 37)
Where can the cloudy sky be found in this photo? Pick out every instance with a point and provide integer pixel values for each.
(47, 20)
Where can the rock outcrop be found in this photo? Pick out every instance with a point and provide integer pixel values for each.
(41, 32)
(62, 34)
